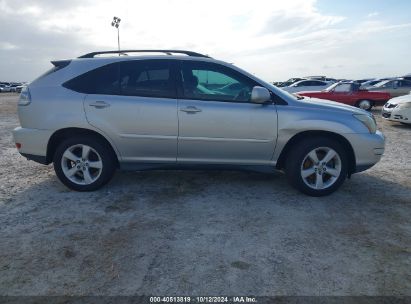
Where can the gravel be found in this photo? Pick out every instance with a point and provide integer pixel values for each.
(204, 233)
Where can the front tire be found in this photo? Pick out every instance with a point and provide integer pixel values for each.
(84, 163)
(317, 166)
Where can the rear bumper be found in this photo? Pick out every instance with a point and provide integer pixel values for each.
(368, 149)
(38, 159)
(33, 143)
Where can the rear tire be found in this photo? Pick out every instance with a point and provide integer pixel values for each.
(365, 105)
(84, 163)
(317, 166)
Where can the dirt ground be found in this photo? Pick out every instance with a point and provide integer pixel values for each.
(204, 233)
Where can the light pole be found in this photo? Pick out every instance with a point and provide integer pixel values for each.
(116, 24)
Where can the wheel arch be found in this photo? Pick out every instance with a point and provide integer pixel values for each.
(62, 134)
(311, 134)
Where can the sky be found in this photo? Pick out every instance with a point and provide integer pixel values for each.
(273, 39)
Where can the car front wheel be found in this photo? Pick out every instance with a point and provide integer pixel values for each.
(317, 166)
(84, 164)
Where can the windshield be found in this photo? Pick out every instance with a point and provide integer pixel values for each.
(296, 84)
(374, 82)
(382, 83)
(331, 87)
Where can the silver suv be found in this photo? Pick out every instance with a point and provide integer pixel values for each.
(177, 109)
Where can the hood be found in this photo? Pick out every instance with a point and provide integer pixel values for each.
(400, 99)
(330, 105)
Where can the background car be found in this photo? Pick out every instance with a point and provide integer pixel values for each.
(20, 88)
(407, 77)
(293, 80)
(371, 83)
(350, 93)
(4, 88)
(398, 109)
(288, 82)
(14, 86)
(323, 78)
(361, 81)
(396, 87)
(307, 85)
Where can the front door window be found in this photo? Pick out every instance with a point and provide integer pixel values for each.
(208, 81)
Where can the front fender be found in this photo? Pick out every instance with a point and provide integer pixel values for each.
(294, 120)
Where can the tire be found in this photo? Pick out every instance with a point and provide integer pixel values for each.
(365, 104)
(324, 179)
(84, 163)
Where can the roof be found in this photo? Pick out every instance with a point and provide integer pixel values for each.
(126, 52)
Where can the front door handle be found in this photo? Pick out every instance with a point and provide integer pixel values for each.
(190, 110)
(99, 104)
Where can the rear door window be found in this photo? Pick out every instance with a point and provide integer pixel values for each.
(147, 78)
(343, 88)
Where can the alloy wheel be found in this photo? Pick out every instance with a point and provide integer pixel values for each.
(81, 164)
(365, 105)
(321, 168)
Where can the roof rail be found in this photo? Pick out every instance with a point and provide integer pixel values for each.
(168, 52)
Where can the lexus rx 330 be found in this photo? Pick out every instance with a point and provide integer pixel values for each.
(176, 109)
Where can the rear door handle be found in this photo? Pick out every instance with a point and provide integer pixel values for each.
(99, 104)
(190, 110)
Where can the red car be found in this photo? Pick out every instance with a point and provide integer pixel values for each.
(350, 94)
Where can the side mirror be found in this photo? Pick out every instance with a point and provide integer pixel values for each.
(260, 95)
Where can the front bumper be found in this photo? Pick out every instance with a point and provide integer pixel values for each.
(395, 114)
(33, 143)
(368, 149)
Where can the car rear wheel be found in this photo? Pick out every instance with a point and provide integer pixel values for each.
(365, 105)
(84, 164)
(317, 167)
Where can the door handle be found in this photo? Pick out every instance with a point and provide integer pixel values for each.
(190, 110)
(99, 104)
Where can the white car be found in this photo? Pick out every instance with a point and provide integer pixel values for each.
(4, 88)
(307, 85)
(398, 109)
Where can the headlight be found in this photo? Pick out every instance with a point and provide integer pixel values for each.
(404, 105)
(25, 97)
(368, 121)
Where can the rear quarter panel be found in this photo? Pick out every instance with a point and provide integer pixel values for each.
(53, 108)
(379, 98)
